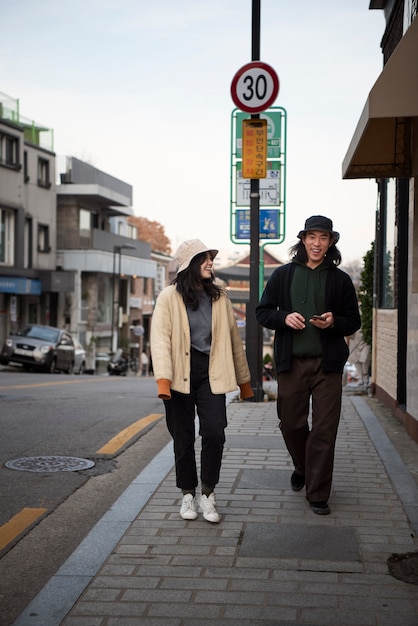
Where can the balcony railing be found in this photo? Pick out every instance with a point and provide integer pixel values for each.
(35, 133)
(101, 240)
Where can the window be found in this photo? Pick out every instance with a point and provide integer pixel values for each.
(132, 232)
(28, 242)
(386, 244)
(43, 238)
(44, 179)
(388, 282)
(25, 167)
(6, 237)
(105, 286)
(85, 222)
(85, 228)
(9, 150)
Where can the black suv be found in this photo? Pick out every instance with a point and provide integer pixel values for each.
(39, 347)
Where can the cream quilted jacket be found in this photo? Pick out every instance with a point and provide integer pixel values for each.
(170, 347)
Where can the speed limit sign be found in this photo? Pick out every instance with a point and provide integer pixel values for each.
(254, 87)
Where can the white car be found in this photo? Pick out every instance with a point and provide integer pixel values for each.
(79, 357)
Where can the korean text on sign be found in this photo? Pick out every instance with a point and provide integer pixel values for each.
(254, 148)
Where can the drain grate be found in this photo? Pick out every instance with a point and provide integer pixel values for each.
(49, 464)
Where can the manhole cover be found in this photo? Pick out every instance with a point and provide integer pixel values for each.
(49, 464)
(404, 567)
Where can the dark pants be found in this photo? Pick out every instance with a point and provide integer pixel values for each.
(312, 450)
(180, 417)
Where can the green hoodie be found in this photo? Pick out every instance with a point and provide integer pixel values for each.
(307, 294)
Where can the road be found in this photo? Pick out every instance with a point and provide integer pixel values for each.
(115, 422)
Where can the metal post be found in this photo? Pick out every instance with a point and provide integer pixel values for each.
(118, 302)
(254, 330)
(124, 246)
(113, 299)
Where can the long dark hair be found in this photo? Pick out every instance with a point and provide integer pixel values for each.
(298, 252)
(189, 283)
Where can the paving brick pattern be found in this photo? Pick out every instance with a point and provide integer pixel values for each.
(171, 572)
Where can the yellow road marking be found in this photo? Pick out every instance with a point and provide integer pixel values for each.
(12, 529)
(63, 382)
(125, 435)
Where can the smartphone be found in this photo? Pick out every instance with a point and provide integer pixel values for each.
(319, 317)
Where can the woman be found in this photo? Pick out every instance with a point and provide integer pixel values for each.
(198, 357)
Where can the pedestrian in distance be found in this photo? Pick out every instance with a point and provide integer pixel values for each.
(198, 357)
(312, 306)
(144, 363)
(360, 357)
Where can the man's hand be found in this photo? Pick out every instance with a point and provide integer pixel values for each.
(295, 320)
(326, 321)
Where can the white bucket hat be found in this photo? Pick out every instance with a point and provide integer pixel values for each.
(188, 250)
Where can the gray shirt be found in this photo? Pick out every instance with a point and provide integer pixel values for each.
(200, 322)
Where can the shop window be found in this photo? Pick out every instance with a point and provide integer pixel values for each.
(85, 296)
(9, 150)
(104, 298)
(43, 238)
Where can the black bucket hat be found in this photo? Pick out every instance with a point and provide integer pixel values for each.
(319, 222)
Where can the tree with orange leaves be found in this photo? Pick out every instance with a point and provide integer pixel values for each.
(153, 233)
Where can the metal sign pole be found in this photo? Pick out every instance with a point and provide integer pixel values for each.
(254, 331)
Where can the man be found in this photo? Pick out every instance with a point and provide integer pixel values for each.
(312, 306)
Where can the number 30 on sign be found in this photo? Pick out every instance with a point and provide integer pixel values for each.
(255, 87)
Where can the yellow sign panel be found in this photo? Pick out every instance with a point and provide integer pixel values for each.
(254, 148)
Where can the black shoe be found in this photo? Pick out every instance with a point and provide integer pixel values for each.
(297, 481)
(320, 508)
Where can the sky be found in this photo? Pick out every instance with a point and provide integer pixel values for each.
(141, 90)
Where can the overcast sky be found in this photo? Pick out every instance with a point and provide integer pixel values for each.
(141, 90)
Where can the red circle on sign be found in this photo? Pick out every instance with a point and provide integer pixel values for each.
(255, 87)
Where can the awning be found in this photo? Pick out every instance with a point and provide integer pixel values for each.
(381, 145)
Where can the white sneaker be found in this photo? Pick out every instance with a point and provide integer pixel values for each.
(208, 506)
(188, 507)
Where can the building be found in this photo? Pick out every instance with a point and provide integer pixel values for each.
(68, 256)
(385, 147)
(112, 270)
(29, 282)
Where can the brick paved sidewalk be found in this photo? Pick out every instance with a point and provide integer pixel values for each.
(270, 561)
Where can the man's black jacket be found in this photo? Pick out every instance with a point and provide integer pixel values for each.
(340, 298)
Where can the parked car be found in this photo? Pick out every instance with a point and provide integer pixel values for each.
(79, 357)
(40, 347)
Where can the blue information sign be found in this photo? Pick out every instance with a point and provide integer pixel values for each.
(269, 224)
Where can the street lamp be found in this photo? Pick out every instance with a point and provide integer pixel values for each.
(117, 249)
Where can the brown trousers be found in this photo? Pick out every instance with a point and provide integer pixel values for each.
(311, 447)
